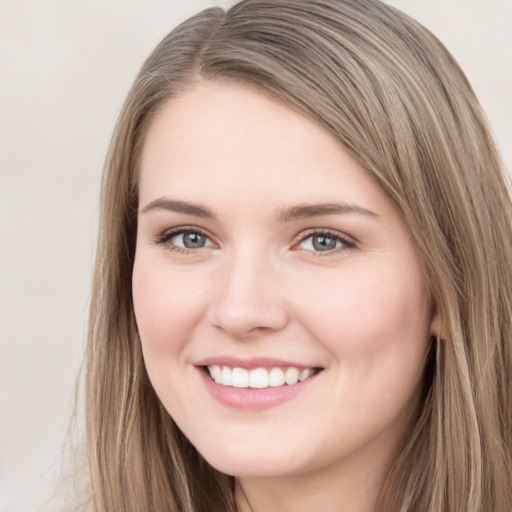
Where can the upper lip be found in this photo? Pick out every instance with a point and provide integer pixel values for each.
(251, 363)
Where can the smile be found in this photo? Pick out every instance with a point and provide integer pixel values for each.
(259, 378)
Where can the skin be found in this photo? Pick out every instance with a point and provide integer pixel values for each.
(259, 287)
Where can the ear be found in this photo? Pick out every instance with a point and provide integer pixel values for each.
(437, 325)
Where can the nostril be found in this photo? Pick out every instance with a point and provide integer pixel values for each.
(249, 320)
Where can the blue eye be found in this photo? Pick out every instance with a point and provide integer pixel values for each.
(325, 242)
(184, 239)
(190, 240)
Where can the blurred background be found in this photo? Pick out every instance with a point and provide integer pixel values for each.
(65, 67)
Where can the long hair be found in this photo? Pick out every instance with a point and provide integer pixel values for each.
(393, 97)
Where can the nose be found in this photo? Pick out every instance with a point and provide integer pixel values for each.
(250, 301)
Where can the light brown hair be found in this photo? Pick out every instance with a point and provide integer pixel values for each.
(392, 96)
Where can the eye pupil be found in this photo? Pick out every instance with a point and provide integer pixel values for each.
(324, 243)
(193, 240)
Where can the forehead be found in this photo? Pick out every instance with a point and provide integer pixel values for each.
(229, 143)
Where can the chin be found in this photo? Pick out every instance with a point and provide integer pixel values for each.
(255, 461)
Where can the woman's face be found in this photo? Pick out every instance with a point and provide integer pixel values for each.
(266, 254)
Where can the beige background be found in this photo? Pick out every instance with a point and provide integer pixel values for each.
(65, 66)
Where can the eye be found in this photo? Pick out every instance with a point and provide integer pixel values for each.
(184, 239)
(189, 240)
(325, 241)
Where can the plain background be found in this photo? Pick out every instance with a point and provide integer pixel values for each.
(65, 67)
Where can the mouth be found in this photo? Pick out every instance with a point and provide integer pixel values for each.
(259, 378)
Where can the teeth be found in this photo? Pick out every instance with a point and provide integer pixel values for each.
(226, 377)
(259, 378)
(276, 377)
(240, 377)
(215, 373)
(306, 373)
(291, 376)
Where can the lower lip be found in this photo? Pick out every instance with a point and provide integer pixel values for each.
(251, 398)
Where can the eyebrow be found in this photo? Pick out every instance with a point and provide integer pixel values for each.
(292, 213)
(179, 207)
(305, 211)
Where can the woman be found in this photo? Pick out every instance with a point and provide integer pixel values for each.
(303, 288)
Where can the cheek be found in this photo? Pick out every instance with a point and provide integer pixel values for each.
(375, 326)
(167, 305)
(360, 313)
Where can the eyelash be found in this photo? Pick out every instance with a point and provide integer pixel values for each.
(345, 241)
(165, 237)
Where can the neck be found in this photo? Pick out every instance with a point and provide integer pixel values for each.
(334, 490)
